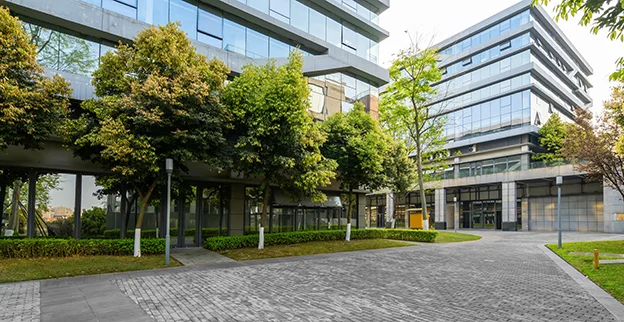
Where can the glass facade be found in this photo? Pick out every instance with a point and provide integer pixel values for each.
(484, 167)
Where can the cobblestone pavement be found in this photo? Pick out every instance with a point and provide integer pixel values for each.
(503, 277)
(20, 302)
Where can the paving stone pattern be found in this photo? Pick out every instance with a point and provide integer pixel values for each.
(19, 302)
(490, 280)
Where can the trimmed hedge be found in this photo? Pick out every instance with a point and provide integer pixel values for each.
(151, 233)
(221, 243)
(43, 247)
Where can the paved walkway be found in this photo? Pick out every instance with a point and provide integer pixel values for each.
(503, 277)
(198, 256)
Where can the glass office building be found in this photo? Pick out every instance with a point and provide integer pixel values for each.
(339, 41)
(502, 80)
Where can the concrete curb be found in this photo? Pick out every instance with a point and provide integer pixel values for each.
(611, 304)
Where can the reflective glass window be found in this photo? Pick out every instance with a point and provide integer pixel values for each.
(317, 24)
(334, 32)
(120, 7)
(280, 9)
(299, 15)
(155, 12)
(278, 49)
(186, 14)
(262, 5)
(210, 23)
(233, 37)
(257, 44)
(349, 36)
(363, 46)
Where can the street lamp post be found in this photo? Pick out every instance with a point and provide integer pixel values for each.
(169, 168)
(559, 181)
(455, 217)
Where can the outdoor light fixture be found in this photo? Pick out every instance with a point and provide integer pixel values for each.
(169, 168)
(559, 181)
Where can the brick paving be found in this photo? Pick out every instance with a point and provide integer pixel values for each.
(503, 277)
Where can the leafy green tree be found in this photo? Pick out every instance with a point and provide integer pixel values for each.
(356, 143)
(276, 138)
(407, 113)
(31, 105)
(93, 222)
(551, 138)
(601, 15)
(400, 170)
(157, 99)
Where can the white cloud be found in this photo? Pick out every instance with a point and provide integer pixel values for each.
(444, 18)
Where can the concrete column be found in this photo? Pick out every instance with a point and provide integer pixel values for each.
(389, 206)
(509, 206)
(613, 210)
(32, 203)
(440, 209)
(78, 206)
(361, 206)
(237, 210)
(526, 210)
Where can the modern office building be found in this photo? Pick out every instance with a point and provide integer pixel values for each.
(339, 39)
(503, 78)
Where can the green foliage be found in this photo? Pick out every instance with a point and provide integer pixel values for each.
(551, 138)
(32, 105)
(157, 99)
(607, 15)
(276, 138)
(93, 222)
(235, 242)
(399, 167)
(46, 247)
(407, 113)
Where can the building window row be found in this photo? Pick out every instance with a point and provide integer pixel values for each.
(495, 115)
(547, 91)
(482, 93)
(490, 33)
(492, 166)
(485, 72)
(555, 43)
(213, 27)
(338, 92)
(486, 55)
(360, 10)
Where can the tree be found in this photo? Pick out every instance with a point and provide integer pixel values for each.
(596, 148)
(157, 99)
(601, 15)
(356, 143)
(276, 138)
(399, 170)
(551, 138)
(31, 105)
(93, 222)
(406, 111)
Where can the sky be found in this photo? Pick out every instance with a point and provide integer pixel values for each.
(444, 18)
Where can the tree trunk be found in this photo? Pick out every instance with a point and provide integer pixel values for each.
(14, 219)
(265, 208)
(3, 191)
(349, 212)
(421, 185)
(137, 230)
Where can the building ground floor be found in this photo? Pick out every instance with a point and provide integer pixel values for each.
(522, 205)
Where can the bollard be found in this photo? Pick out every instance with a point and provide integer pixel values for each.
(596, 261)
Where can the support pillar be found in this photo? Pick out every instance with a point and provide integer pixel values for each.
(510, 215)
(526, 210)
(32, 203)
(389, 208)
(199, 208)
(78, 206)
(237, 210)
(440, 209)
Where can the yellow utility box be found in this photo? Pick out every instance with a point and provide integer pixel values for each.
(416, 219)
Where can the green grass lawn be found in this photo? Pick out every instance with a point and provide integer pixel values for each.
(609, 277)
(451, 237)
(311, 248)
(15, 270)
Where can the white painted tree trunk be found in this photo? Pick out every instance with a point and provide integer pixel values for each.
(261, 241)
(137, 242)
(348, 232)
(426, 225)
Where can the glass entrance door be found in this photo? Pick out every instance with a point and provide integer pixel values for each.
(484, 215)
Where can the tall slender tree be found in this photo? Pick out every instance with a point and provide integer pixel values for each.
(277, 140)
(157, 99)
(400, 171)
(408, 113)
(356, 143)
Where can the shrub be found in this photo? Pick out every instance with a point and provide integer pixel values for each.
(93, 222)
(45, 247)
(234, 242)
(151, 233)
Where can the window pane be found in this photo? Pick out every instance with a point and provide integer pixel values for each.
(209, 40)
(233, 37)
(334, 32)
(281, 7)
(186, 14)
(120, 8)
(349, 37)
(299, 15)
(155, 12)
(278, 49)
(262, 5)
(363, 44)
(210, 23)
(257, 44)
(317, 24)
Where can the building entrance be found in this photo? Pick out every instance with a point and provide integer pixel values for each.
(486, 214)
